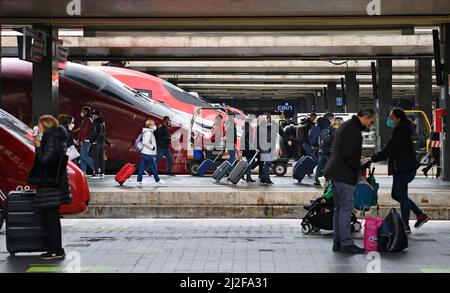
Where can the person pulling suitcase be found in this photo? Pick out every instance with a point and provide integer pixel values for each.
(49, 173)
(148, 153)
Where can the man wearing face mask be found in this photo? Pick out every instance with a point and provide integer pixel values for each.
(343, 169)
(402, 164)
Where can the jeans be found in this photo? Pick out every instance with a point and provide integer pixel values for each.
(99, 158)
(145, 160)
(400, 194)
(165, 153)
(232, 154)
(85, 159)
(342, 219)
(323, 159)
(52, 219)
(266, 171)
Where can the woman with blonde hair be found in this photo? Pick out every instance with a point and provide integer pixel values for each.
(49, 173)
(148, 152)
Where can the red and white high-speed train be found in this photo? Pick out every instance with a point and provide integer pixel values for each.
(124, 109)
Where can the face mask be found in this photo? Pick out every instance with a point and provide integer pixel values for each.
(390, 123)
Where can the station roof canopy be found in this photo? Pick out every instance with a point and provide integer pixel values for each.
(242, 48)
(164, 14)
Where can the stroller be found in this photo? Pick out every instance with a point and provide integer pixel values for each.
(320, 211)
(320, 214)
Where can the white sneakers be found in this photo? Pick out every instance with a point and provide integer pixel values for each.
(160, 182)
(323, 182)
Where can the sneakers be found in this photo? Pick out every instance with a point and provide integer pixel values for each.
(408, 229)
(323, 182)
(250, 179)
(422, 219)
(141, 183)
(263, 182)
(316, 182)
(53, 255)
(160, 182)
(269, 182)
(101, 175)
(352, 249)
(95, 176)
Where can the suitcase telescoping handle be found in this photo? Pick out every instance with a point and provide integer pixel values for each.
(254, 157)
(220, 154)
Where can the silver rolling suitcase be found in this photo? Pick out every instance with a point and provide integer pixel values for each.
(240, 170)
(223, 170)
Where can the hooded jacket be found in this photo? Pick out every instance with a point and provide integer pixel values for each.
(399, 151)
(149, 142)
(53, 147)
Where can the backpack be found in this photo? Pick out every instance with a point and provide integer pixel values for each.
(364, 196)
(324, 140)
(392, 234)
(366, 193)
(313, 135)
(138, 142)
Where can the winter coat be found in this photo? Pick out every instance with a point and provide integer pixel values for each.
(345, 160)
(149, 142)
(53, 147)
(325, 138)
(399, 151)
(85, 129)
(163, 137)
(98, 132)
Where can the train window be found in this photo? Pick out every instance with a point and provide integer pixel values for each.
(16, 127)
(146, 93)
(183, 96)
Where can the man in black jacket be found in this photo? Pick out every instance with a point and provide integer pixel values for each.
(98, 144)
(343, 169)
(163, 142)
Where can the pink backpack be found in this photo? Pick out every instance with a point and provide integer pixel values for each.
(371, 227)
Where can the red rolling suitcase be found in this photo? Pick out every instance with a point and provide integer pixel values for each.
(125, 173)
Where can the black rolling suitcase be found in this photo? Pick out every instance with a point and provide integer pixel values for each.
(303, 167)
(25, 230)
(240, 169)
(223, 170)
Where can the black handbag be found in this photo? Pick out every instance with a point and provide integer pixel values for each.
(48, 175)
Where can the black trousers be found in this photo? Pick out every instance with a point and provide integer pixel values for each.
(53, 223)
(98, 158)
